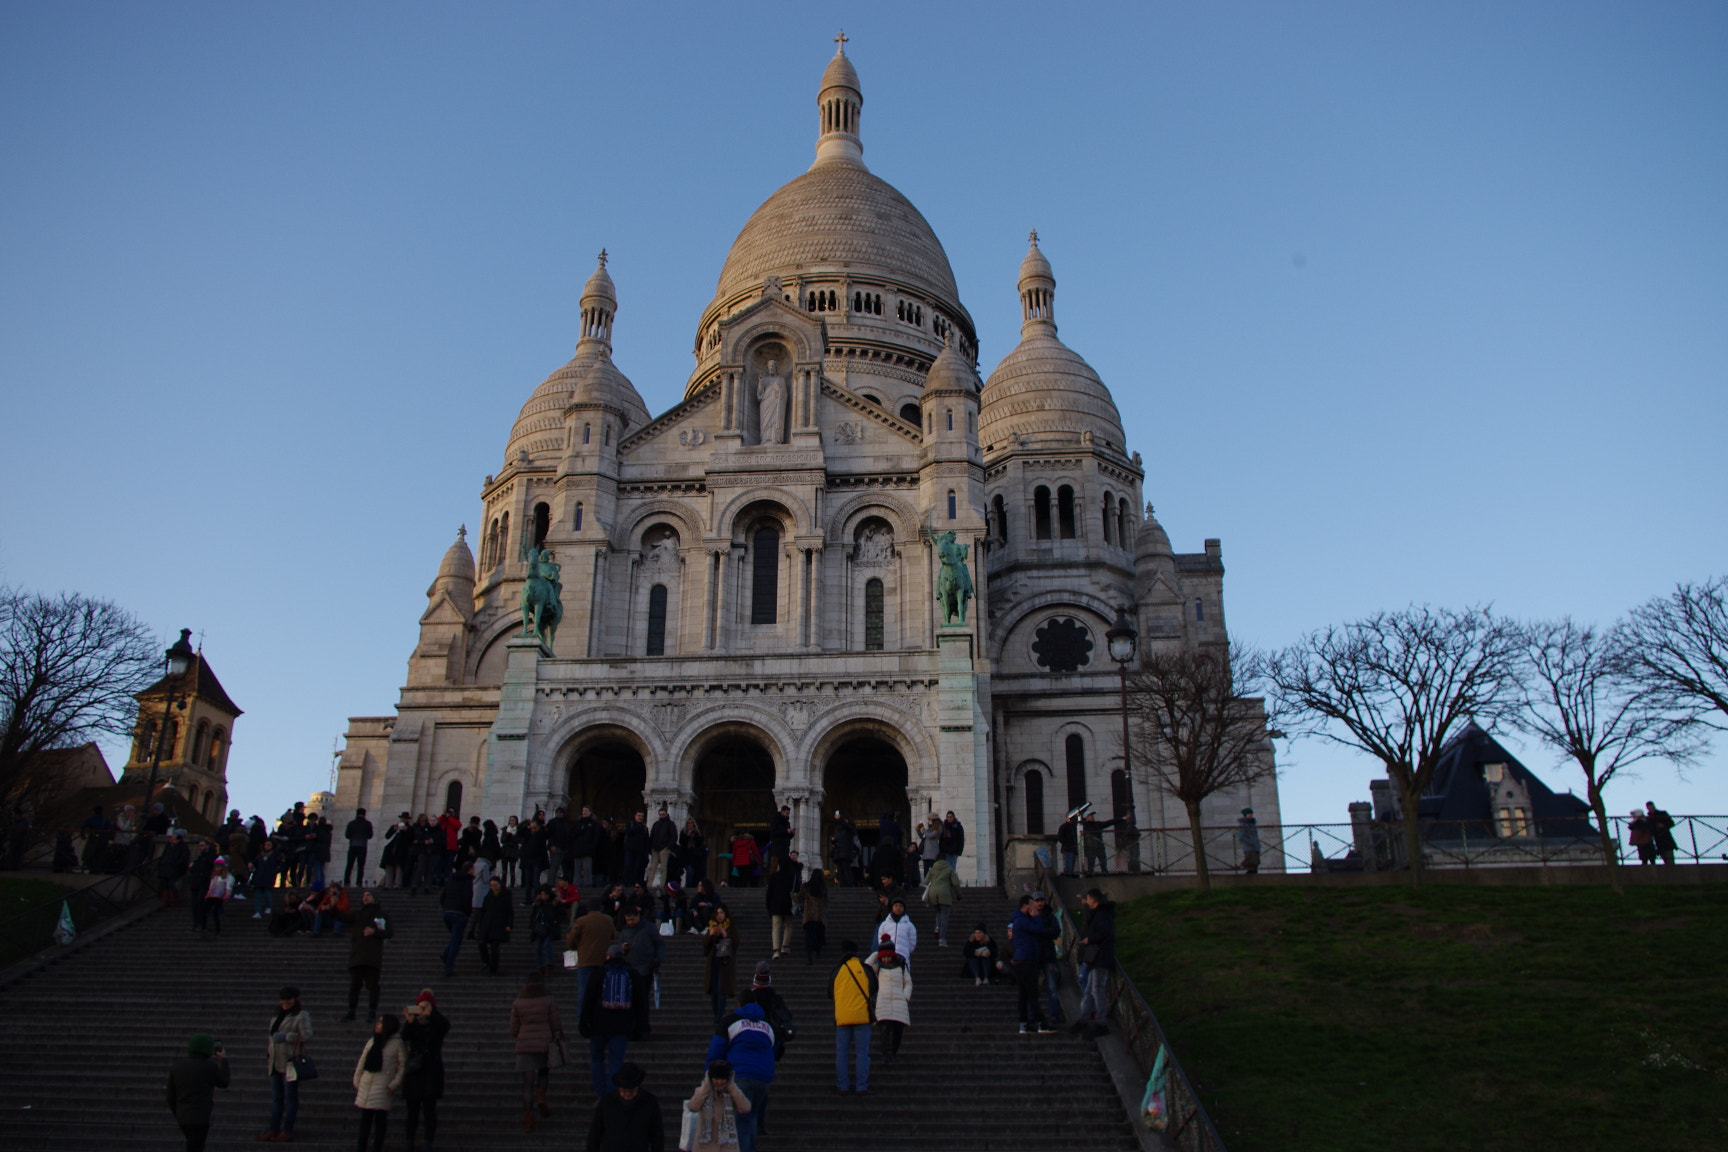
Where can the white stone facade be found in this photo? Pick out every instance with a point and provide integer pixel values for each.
(748, 580)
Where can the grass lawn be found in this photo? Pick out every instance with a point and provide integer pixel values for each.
(1456, 1017)
(18, 894)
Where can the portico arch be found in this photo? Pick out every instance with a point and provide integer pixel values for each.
(606, 770)
(865, 772)
(732, 772)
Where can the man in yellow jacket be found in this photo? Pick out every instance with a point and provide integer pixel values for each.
(853, 990)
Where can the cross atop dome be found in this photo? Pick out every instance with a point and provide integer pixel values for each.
(603, 252)
(1033, 238)
(841, 41)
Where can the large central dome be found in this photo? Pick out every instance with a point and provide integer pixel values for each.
(843, 240)
(838, 217)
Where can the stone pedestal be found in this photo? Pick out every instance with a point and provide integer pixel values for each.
(504, 789)
(963, 752)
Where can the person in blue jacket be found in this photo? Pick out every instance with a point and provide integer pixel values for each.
(745, 1040)
(1028, 928)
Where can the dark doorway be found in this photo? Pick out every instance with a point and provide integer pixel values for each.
(864, 778)
(733, 791)
(453, 798)
(608, 777)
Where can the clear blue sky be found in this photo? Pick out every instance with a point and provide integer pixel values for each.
(1403, 302)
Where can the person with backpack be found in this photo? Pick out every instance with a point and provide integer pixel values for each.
(893, 997)
(745, 1040)
(852, 989)
(941, 890)
(614, 1012)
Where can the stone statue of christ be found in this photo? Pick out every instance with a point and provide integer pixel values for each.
(771, 406)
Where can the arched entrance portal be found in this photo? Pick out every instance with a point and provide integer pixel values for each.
(608, 776)
(864, 778)
(732, 791)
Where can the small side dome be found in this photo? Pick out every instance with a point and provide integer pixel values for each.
(600, 287)
(1152, 542)
(589, 377)
(458, 562)
(950, 369)
(1044, 389)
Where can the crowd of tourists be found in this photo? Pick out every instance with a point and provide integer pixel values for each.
(610, 933)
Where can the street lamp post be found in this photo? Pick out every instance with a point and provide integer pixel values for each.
(1122, 642)
(178, 659)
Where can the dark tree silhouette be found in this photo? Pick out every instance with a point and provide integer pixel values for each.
(1199, 728)
(1398, 685)
(1580, 698)
(69, 667)
(1677, 647)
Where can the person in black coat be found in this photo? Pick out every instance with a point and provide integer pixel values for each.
(782, 883)
(636, 849)
(192, 1083)
(628, 1118)
(585, 841)
(173, 864)
(359, 836)
(1097, 960)
(497, 915)
(609, 1020)
(423, 1032)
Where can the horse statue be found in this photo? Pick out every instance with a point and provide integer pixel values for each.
(954, 582)
(542, 596)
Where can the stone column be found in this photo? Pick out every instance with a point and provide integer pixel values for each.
(963, 762)
(504, 790)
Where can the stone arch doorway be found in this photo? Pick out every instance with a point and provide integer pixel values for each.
(863, 778)
(732, 791)
(608, 776)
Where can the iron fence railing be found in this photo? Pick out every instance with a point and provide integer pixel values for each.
(25, 933)
(1379, 845)
(1187, 1125)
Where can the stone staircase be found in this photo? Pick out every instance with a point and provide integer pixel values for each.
(85, 1044)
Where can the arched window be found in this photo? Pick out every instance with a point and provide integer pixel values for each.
(1065, 512)
(871, 399)
(503, 539)
(1001, 520)
(578, 515)
(1075, 749)
(192, 795)
(1121, 795)
(146, 742)
(1124, 536)
(950, 419)
(489, 552)
(200, 741)
(812, 301)
(1034, 802)
(607, 429)
(857, 301)
(657, 620)
(878, 307)
(765, 576)
(872, 615)
(453, 798)
(909, 413)
(542, 524)
(1199, 610)
(171, 739)
(1041, 512)
(587, 431)
(209, 805)
(951, 504)
(1109, 516)
(218, 747)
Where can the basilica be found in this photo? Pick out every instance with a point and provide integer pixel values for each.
(733, 605)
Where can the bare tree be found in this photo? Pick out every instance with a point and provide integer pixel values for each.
(1677, 646)
(1199, 729)
(1579, 697)
(1398, 685)
(69, 668)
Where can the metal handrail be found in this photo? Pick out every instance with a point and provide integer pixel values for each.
(20, 938)
(1191, 1128)
(1379, 845)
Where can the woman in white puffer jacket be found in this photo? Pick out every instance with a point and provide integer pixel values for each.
(377, 1076)
(893, 996)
